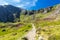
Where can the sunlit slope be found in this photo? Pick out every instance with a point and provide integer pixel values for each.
(48, 27)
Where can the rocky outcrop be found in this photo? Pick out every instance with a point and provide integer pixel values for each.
(45, 10)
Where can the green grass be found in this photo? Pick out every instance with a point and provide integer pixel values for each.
(50, 29)
(9, 34)
(47, 23)
(42, 15)
(55, 37)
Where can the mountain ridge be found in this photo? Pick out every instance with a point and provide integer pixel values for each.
(6, 13)
(9, 13)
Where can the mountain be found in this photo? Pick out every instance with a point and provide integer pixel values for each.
(9, 13)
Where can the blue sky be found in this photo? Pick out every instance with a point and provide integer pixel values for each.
(30, 4)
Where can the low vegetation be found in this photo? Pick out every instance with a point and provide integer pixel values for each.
(14, 31)
(48, 27)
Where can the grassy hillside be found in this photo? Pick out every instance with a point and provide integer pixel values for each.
(13, 31)
(49, 26)
(46, 24)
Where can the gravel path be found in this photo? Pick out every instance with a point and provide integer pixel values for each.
(31, 34)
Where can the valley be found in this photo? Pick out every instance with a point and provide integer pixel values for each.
(32, 25)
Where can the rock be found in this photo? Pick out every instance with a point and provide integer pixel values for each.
(24, 38)
(3, 30)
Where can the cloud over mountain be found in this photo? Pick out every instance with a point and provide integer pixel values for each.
(20, 3)
(2, 2)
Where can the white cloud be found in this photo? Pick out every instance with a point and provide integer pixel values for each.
(28, 3)
(16, 0)
(3, 2)
(19, 3)
(34, 2)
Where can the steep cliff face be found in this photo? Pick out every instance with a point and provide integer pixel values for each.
(9, 13)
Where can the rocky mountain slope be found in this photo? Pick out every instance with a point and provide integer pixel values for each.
(8, 13)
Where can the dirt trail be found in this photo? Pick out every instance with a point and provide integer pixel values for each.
(31, 34)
